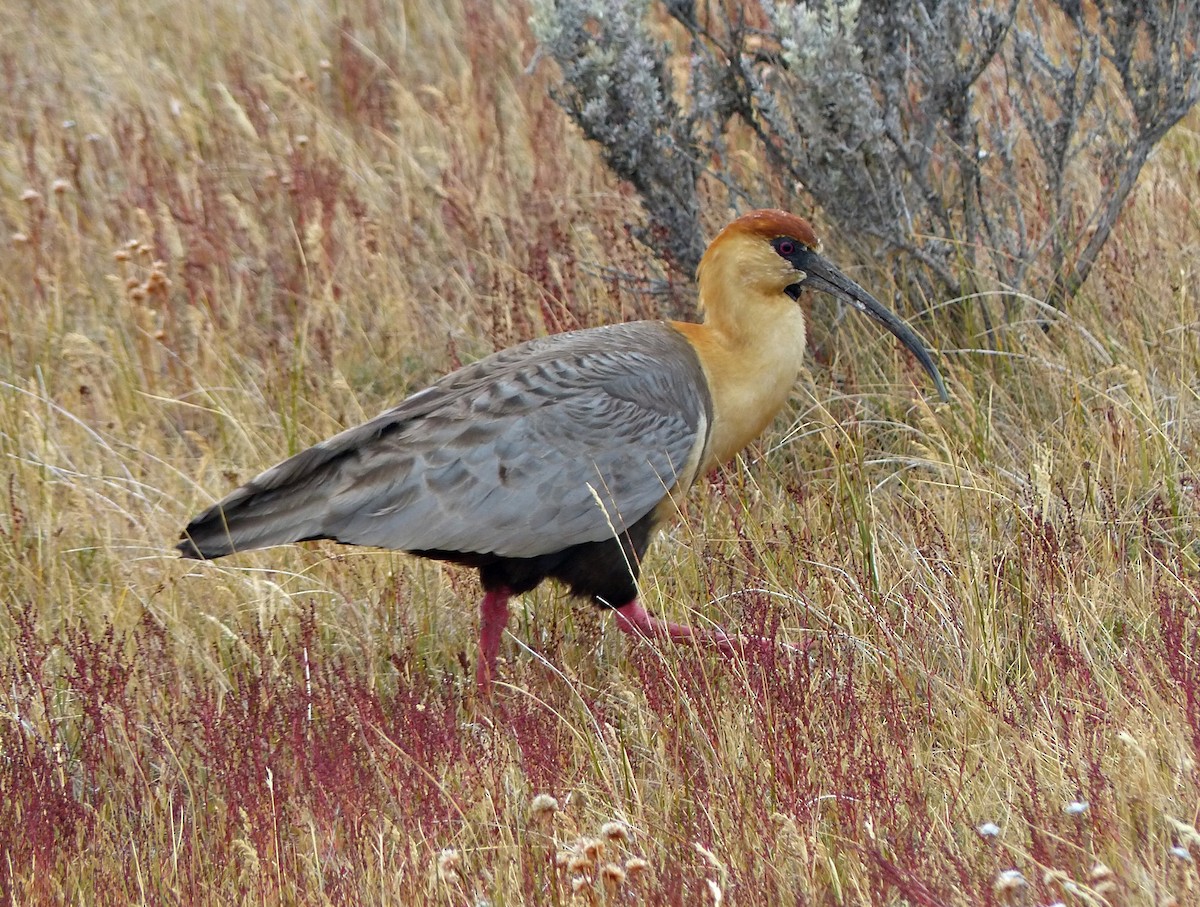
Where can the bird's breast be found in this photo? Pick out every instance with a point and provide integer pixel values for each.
(749, 382)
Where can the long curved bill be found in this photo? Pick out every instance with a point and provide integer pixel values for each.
(823, 276)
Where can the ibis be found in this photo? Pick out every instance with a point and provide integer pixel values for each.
(560, 457)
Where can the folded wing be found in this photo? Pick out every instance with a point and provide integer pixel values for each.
(560, 441)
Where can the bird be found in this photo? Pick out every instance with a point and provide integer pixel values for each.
(560, 457)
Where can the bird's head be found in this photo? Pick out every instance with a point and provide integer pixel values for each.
(773, 255)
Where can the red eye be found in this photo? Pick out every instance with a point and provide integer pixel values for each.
(786, 247)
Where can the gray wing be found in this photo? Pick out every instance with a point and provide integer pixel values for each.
(553, 443)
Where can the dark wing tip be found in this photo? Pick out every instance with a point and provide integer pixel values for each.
(188, 548)
(206, 537)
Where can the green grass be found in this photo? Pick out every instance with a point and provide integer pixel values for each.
(226, 235)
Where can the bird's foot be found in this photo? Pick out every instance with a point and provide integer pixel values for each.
(635, 620)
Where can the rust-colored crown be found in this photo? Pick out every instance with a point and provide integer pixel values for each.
(771, 222)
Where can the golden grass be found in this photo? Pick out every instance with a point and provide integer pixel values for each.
(228, 233)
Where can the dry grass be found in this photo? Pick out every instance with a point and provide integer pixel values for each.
(227, 234)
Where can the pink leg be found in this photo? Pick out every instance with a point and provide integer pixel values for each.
(635, 620)
(493, 618)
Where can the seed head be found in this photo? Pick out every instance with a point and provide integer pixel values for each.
(612, 874)
(617, 832)
(543, 806)
(448, 863)
(989, 830)
(579, 862)
(1009, 885)
(247, 852)
(636, 865)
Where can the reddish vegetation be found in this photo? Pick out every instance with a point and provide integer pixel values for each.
(295, 745)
